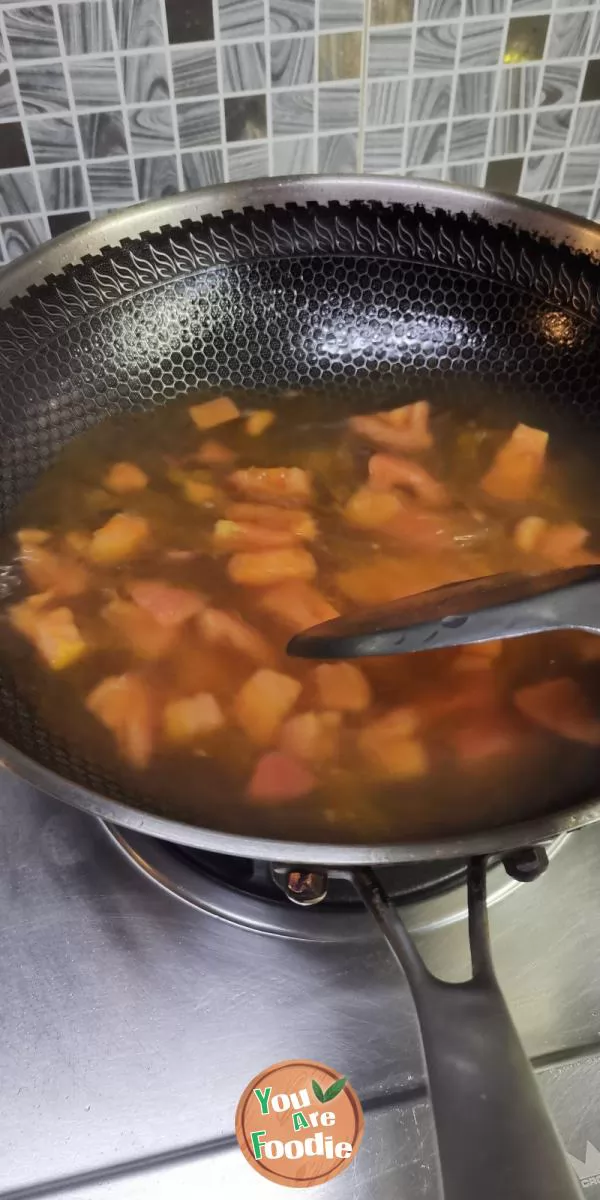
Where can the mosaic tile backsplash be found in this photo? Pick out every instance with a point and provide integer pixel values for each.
(107, 102)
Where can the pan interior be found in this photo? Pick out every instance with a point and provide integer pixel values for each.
(323, 311)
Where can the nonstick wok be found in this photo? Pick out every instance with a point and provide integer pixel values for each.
(345, 284)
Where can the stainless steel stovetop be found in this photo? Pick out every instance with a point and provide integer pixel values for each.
(130, 1020)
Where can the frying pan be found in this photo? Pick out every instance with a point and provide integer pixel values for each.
(337, 283)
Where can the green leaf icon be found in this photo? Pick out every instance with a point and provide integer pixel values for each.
(318, 1090)
(335, 1088)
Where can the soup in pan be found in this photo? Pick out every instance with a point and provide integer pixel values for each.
(166, 559)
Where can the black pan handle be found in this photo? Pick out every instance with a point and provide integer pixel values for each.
(495, 1136)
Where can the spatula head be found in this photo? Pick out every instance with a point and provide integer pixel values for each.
(457, 614)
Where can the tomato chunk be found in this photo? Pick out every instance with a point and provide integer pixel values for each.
(560, 706)
(263, 703)
(215, 454)
(57, 572)
(292, 520)
(287, 485)
(170, 606)
(312, 736)
(404, 429)
(369, 509)
(518, 465)
(389, 744)
(122, 536)
(271, 566)
(237, 535)
(53, 632)
(214, 412)
(297, 605)
(387, 472)
(342, 686)
(125, 477)
(138, 629)
(227, 629)
(123, 703)
(277, 777)
(192, 717)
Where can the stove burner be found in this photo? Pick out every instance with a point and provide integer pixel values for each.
(243, 892)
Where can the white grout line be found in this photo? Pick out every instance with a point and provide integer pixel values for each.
(221, 98)
(72, 108)
(453, 90)
(364, 88)
(122, 99)
(409, 82)
(171, 87)
(21, 111)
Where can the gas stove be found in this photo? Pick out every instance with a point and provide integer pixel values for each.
(142, 987)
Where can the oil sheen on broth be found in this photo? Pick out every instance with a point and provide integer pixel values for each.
(166, 559)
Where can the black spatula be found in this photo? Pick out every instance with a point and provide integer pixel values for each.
(475, 610)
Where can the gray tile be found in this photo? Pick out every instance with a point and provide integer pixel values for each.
(504, 175)
(586, 126)
(53, 139)
(521, 7)
(22, 236)
(139, 24)
(32, 32)
(576, 202)
(345, 13)
(389, 52)
(151, 129)
(199, 124)
(241, 18)
(391, 12)
(340, 55)
(292, 61)
(387, 102)
(94, 82)
(8, 103)
(594, 47)
(13, 151)
(474, 92)
(194, 71)
(111, 183)
(423, 173)
(484, 8)
(156, 176)
(526, 39)
(432, 10)
(581, 168)
(466, 174)
(591, 82)
(338, 107)
(248, 162)
(245, 118)
(291, 16)
(510, 134)
(293, 156)
(43, 88)
(61, 222)
(145, 77)
(337, 152)
(468, 139)
(189, 21)
(435, 46)
(560, 82)
(203, 168)
(551, 128)
(430, 98)
(383, 149)
(243, 67)
(569, 34)
(62, 188)
(482, 43)
(541, 172)
(425, 143)
(85, 27)
(518, 87)
(18, 194)
(292, 112)
(103, 134)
